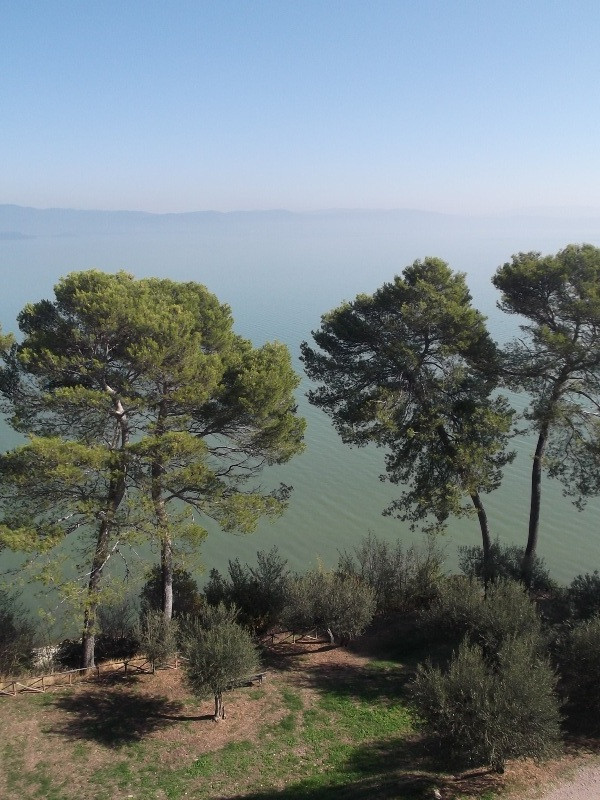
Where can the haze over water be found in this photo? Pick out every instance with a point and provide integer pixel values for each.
(279, 272)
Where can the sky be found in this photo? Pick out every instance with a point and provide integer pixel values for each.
(490, 106)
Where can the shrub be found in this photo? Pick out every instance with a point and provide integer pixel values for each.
(258, 592)
(461, 608)
(505, 562)
(68, 654)
(584, 595)
(507, 611)
(17, 637)
(401, 579)
(109, 647)
(157, 637)
(456, 607)
(340, 604)
(210, 617)
(220, 653)
(117, 620)
(117, 638)
(580, 667)
(483, 713)
(187, 598)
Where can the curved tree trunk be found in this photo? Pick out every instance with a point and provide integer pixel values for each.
(486, 540)
(534, 507)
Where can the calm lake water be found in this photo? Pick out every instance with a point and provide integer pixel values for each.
(280, 272)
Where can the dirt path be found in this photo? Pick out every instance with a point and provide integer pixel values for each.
(584, 785)
(557, 780)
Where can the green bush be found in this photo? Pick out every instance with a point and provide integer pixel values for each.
(17, 637)
(507, 611)
(187, 598)
(490, 618)
(342, 605)
(118, 626)
(583, 595)
(580, 668)
(259, 593)
(505, 562)
(157, 637)
(220, 654)
(482, 713)
(454, 609)
(117, 619)
(401, 579)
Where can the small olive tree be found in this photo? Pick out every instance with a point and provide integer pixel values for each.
(496, 700)
(220, 653)
(157, 637)
(462, 608)
(343, 605)
(403, 578)
(583, 595)
(483, 711)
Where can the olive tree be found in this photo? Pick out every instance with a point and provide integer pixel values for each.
(220, 653)
(342, 605)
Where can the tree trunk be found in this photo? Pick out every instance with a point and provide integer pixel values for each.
(166, 558)
(116, 492)
(486, 541)
(166, 545)
(162, 519)
(89, 619)
(331, 636)
(219, 708)
(534, 508)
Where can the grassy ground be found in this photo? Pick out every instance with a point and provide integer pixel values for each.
(327, 723)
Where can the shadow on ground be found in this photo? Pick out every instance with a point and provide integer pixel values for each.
(285, 656)
(116, 716)
(366, 683)
(394, 768)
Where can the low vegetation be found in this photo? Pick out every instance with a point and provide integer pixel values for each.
(219, 653)
(472, 676)
(17, 636)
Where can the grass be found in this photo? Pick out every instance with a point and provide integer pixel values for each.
(325, 729)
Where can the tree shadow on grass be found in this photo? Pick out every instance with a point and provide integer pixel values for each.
(115, 717)
(390, 769)
(286, 656)
(366, 683)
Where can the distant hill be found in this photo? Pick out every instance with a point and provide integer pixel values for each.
(20, 222)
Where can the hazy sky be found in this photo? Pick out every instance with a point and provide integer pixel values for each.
(459, 106)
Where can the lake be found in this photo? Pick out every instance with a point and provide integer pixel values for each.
(279, 272)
